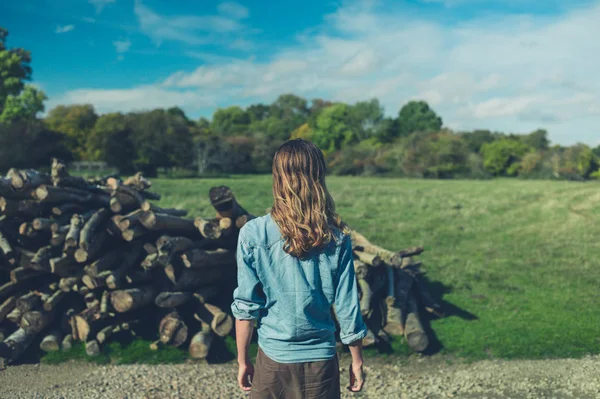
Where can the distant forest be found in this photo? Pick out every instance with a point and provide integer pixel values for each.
(357, 139)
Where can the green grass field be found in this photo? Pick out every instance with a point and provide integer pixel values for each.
(521, 256)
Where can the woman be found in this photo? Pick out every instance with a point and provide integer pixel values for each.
(294, 265)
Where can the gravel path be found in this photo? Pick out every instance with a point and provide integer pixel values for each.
(413, 378)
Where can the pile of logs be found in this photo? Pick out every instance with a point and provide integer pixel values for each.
(92, 260)
(392, 291)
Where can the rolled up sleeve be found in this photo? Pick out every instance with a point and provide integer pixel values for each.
(248, 297)
(347, 305)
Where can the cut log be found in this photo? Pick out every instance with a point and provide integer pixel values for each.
(27, 180)
(190, 279)
(15, 316)
(36, 320)
(150, 262)
(40, 224)
(66, 284)
(199, 259)
(224, 202)
(416, 337)
(366, 296)
(81, 323)
(137, 181)
(86, 255)
(52, 341)
(10, 255)
(104, 301)
(92, 348)
(124, 222)
(168, 246)
(41, 259)
(72, 238)
(60, 195)
(68, 208)
(7, 306)
(242, 220)
(172, 330)
(26, 229)
(369, 259)
(172, 299)
(150, 248)
(130, 260)
(90, 230)
(206, 293)
(21, 274)
(131, 299)
(29, 301)
(138, 277)
(208, 228)
(8, 288)
(58, 238)
(64, 266)
(148, 206)
(220, 322)
(163, 222)
(106, 332)
(136, 231)
(96, 282)
(51, 303)
(67, 343)
(361, 270)
(201, 343)
(109, 261)
(14, 345)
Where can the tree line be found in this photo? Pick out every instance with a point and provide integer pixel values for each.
(357, 139)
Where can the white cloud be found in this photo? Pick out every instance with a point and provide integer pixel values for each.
(190, 29)
(122, 45)
(100, 4)
(512, 73)
(64, 28)
(233, 10)
(139, 98)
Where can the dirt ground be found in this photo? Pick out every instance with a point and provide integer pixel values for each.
(418, 377)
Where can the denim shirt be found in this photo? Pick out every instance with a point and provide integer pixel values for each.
(291, 298)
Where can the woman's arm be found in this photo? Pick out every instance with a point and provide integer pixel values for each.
(243, 335)
(347, 308)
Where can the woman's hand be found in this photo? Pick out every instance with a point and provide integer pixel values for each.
(245, 375)
(357, 377)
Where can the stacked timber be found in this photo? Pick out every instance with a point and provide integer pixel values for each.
(92, 260)
(392, 291)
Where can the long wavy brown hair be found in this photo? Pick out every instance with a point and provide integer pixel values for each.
(303, 208)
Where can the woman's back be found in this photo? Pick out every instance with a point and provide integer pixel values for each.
(295, 322)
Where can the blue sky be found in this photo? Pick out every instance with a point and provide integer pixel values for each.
(511, 65)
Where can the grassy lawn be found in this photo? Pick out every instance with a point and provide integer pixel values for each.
(521, 256)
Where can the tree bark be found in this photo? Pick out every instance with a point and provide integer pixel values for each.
(21, 274)
(14, 346)
(172, 299)
(72, 239)
(108, 261)
(130, 260)
(220, 322)
(45, 224)
(148, 206)
(10, 255)
(369, 259)
(36, 320)
(160, 221)
(413, 330)
(68, 208)
(81, 323)
(199, 259)
(131, 299)
(7, 306)
(64, 266)
(52, 302)
(91, 228)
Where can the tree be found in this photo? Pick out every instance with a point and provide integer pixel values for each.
(537, 140)
(286, 113)
(477, 138)
(440, 155)
(26, 105)
(334, 128)
(416, 116)
(386, 130)
(77, 123)
(29, 144)
(502, 157)
(577, 162)
(230, 121)
(258, 112)
(366, 116)
(15, 69)
(112, 142)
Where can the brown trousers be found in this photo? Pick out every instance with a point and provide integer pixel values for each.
(309, 380)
